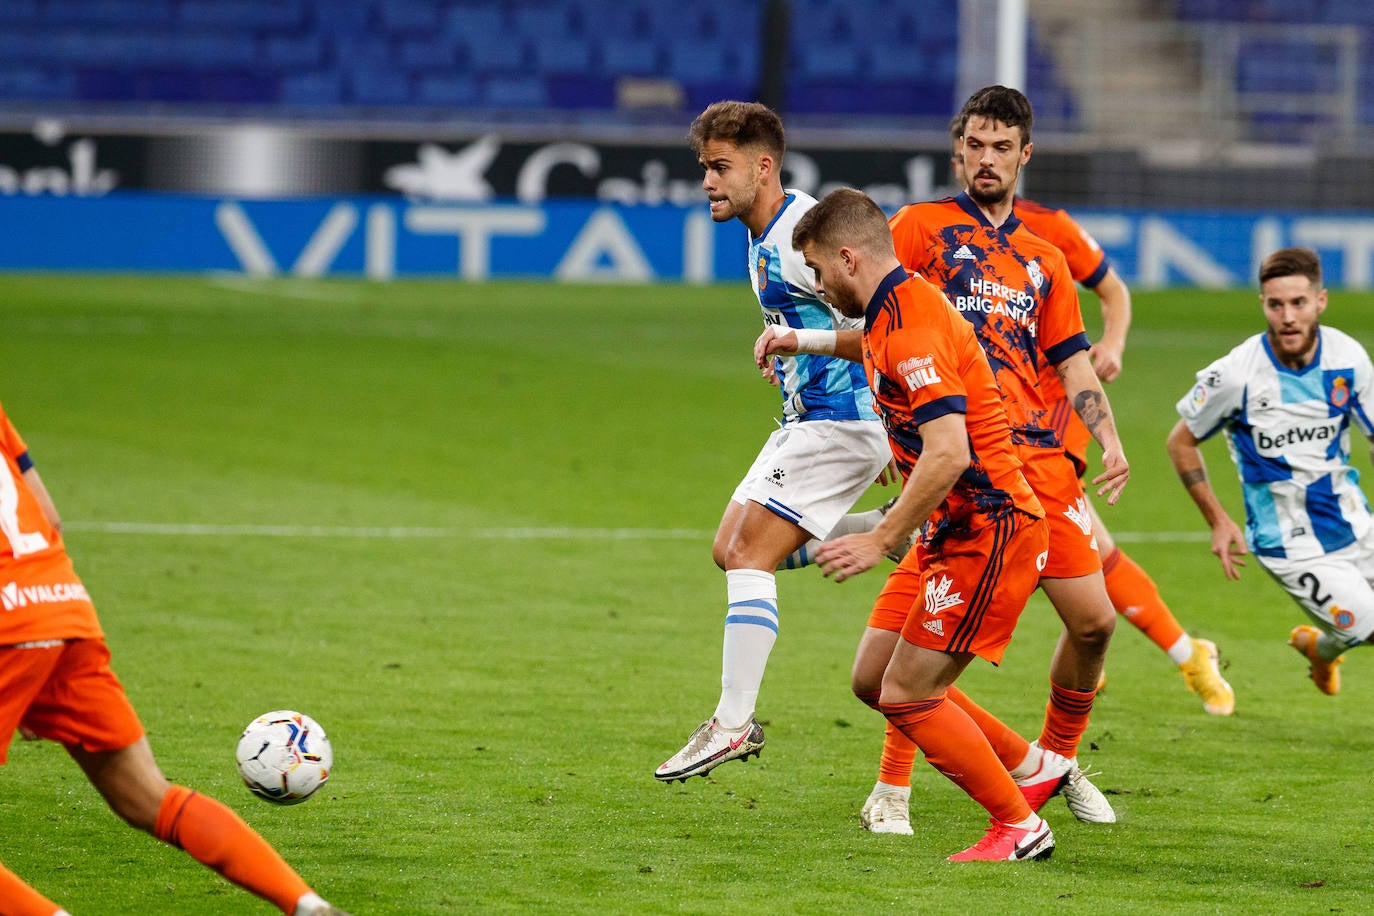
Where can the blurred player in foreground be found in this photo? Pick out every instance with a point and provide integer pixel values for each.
(56, 683)
(1131, 590)
(830, 445)
(1285, 400)
(962, 589)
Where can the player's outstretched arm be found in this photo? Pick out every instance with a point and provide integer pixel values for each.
(1228, 543)
(1090, 403)
(1107, 353)
(779, 341)
(944, 457)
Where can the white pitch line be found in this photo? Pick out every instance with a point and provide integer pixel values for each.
(388, 532)
(402, 532)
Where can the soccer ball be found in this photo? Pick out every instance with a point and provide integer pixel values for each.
(284, 757)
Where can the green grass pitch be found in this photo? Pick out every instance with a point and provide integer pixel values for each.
(467, 528)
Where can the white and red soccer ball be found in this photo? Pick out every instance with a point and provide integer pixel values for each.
(284, 756)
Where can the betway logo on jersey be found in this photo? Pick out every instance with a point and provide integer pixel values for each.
(995, 299)
(1296, 436)
(919, 371)
(13, 596)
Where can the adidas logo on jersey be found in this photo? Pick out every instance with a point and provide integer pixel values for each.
(964, 254)
(936, 626)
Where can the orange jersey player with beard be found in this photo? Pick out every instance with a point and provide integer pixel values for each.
(1015, 289)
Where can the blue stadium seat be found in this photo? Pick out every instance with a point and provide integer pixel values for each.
(66, 13)
(899, 63)
(33, 84)
(542, 22)
(703, 61)
(441, 91)
(630, 57)
(505, 57)
(293, 53)
(321, 88)
(482, 24)
(408, 17)
(433, 53)
(13, 12)
(19, 46)
(557, 54)
(515, 92)
(369, 86)
(245, 15)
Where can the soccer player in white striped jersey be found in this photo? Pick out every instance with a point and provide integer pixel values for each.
(1285, 400)
(830, 445)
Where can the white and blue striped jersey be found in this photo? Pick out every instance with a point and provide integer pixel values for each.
(813, 387)
(1288, 431)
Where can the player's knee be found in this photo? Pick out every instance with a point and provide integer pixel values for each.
(1092, 630)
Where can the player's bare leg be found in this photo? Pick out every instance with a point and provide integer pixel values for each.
(131, 783)
(887, 808)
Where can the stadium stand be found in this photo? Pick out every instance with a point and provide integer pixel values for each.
(857, 56)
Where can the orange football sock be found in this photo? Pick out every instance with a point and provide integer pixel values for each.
(1136, 597)
(218, 838)
(1009, 747)
(953, 745)
(18, 899)
(1066, 718)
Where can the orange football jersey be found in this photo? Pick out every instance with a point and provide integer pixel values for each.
(40, 594)
(1088, 264)
(1013, 286)
(924, 361)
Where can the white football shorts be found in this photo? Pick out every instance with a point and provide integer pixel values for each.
(1336, 590)
(811, 472)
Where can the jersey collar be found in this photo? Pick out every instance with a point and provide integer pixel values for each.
(896, 277)
(1314, 361)
(968, 206)
(786, 202)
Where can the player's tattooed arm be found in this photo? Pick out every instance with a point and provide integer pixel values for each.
(1192, 476)
(1091, 407)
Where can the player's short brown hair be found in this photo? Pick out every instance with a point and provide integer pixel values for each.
(1290, 262)
(741, 123)
(1000, 103)
(844, 217)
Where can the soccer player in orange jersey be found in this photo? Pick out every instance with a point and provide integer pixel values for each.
(56, 683)
(1133, 593)
(959, 592)
(1014, 287)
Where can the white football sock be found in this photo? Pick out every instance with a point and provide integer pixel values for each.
(1182, 650)
(1329, 647)
(751, 628)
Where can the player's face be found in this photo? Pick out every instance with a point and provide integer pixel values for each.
(833, 279)
(732, 179)
(992, 157)
(1293, 307)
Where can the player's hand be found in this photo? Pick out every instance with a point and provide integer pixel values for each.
(28, 734)
(773, 341)
(1116, 471)
(1228, 544)
(1106, 361)
(890, 474)
(849, 555)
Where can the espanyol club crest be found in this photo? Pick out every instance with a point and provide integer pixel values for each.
(1340, 391)
(1037, 278)
(763, 270)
